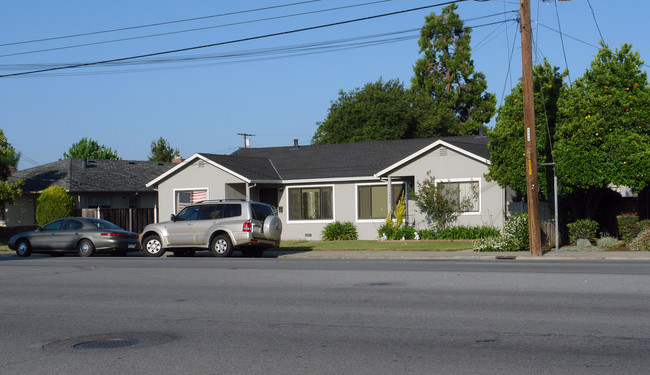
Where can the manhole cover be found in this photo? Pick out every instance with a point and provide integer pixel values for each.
(106, 344)
(109, 341)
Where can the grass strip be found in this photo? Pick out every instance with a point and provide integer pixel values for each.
(361, 245)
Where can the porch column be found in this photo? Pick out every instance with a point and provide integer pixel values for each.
(248, 191)
(389, 195)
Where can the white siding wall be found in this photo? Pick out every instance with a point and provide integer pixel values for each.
(457, 166)
(197, 175)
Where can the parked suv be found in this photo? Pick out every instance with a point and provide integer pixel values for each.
(220, 226)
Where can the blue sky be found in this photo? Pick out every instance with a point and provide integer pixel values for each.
(200, 99)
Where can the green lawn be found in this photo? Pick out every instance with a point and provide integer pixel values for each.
(359, 245)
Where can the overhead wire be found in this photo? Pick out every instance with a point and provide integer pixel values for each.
(193, 29)
(157, 24)
(261, 54)
(258, 37)
(596, 21)
(559, 26)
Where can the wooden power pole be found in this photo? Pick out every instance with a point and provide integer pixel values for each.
(532, 187)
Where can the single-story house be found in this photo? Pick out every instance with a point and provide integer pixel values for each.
(94, 184)
(314, 185)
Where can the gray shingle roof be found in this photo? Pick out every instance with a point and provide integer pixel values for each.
(350, 159)
(254, 168)
(97, 175)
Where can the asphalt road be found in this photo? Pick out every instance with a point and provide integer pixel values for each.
(137, 315)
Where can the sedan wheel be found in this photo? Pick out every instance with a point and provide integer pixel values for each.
(153, 247)
(221, 246)
(23, 249)
(85, 248)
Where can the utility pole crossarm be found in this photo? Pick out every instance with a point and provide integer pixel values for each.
(246, 140)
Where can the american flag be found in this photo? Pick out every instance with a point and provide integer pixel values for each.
(186, 198)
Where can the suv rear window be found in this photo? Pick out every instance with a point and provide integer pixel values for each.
(261, 211)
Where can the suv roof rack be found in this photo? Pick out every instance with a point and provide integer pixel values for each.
(222, 200)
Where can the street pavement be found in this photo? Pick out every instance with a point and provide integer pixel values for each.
(561, 254)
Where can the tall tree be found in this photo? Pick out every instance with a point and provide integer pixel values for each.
(603, 131)
(161, 150)
(507, 144)
(378, 111)
(90, 149)
(9, 191)
(453, 98)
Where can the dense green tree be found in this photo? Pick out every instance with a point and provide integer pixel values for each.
(452, 99)
(90, 149)
(507, 142)
(603, 130)
(53, 203)
(378, 111)
(161, 150)
(9, 191)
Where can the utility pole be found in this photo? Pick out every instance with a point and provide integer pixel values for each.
(246, 140)
(532, 188)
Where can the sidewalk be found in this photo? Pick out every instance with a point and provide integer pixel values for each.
(463, 255)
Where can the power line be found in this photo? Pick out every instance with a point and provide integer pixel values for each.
(157, 24)
(595, 21)
(229, 42)
(192, 30)
(253, 55)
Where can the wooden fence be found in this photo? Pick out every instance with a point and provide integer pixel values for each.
(131, 219)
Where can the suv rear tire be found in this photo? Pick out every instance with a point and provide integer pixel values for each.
(221, 246)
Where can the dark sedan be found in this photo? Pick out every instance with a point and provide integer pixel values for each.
(82, 235)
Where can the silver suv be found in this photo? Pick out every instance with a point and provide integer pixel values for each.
(219, 226)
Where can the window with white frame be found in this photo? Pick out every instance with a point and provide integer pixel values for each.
(183, 198)
(311, 203)
(372, 200)
(463, 194)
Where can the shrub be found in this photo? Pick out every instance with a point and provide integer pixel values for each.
(644, 225)
(467, 233)
(386, 231)
(607, 242)
(53, 203)
(641, 242)
(427, 234)
(407, 233)
(628, 226)
(583, 228)
(514, 236)
(338, 231)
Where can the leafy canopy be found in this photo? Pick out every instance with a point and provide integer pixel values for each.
(507, 144)
(446, 97)
(9, 191)
(90, 149)
(452, 95)
(603, 130)
(378, 111)
(161, 150)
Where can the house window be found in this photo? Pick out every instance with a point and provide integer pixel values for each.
(99, 201)
(462, 194)
(373, 200)
(312, 203)
(184, 198)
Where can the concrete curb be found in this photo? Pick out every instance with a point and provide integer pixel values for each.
(439, 255)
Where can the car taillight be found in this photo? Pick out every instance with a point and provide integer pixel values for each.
(248, 226)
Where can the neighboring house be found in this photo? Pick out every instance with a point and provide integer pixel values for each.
(103, 184)
(357, 182)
